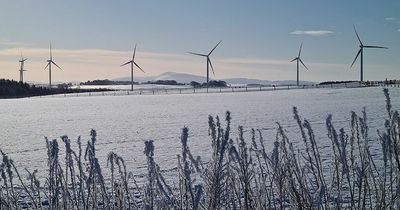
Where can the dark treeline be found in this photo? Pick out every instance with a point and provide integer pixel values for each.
(336, 82)
(164, 82)
(386, 82)
(110, 82)
(14, 89)
(107, 82)
(212, 83)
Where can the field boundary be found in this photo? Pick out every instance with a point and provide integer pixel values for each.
(231, 89)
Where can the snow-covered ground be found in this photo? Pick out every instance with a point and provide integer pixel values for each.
(123, 123)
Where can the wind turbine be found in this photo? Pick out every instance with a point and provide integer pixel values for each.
(49, 62)
(21, 69)
(361, 51)
(297, 59)
(209, 64)
(132, 62)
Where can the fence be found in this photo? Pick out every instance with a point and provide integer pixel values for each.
(252, 88)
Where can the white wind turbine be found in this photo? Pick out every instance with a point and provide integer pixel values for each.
(132, 62)
(209, 64)
(21, 69)
(49, 63)
(297, 59)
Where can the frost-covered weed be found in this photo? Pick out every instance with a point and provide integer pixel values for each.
(240, 173)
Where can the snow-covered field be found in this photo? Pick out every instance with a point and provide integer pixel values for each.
(123, 123)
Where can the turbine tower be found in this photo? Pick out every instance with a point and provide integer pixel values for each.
(297, 59)
(361, 52)
(21, 69)
(132, 62)
(209, 64)
(49, 62)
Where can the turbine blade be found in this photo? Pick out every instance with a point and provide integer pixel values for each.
(127, 63)
(47, 65)
(51, 55)
(24, 59)
(197, 54)
(370, 46)
(214, 48)
(355, 58)
(138, 66)
(293, 59)
(134, 52)
(358, 37)
(301, 46)
(212, 68)
(303, 63)
(56, 65)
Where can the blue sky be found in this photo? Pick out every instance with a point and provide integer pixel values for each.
(92, 38)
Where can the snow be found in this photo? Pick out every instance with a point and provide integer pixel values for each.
(123, 123)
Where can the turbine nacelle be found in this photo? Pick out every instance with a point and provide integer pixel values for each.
(296, 58)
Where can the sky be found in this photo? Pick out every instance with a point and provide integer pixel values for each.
(91, 39)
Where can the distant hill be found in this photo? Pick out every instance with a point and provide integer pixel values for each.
(187, 78)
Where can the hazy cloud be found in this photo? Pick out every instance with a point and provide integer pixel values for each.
(312, 33)
(398, 30)
(271, 62)
(7, 42)
(390, 18)
(89, 64)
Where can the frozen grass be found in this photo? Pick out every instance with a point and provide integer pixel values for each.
(241, 173)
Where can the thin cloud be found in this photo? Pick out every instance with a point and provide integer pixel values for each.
(271, 62)
(390, 18)
(312, 33)
(89, 64)
(398, 30)
(7, 42)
